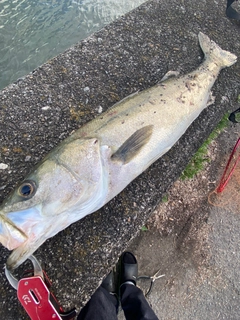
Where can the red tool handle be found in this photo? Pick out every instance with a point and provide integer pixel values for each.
(36, 299)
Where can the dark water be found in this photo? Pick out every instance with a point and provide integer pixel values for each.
(31, 32)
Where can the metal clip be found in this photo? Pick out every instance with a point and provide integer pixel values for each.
(37, 269)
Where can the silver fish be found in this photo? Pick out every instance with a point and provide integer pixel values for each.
(100, 159)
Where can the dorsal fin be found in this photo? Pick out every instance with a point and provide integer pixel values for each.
(130, 148)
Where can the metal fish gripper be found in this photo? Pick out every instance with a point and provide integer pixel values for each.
(35, 297)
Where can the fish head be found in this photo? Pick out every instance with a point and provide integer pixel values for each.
(66, 186)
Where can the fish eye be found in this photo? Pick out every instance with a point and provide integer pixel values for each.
(27, 189)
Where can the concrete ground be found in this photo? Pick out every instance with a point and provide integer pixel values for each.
(41, 109)
(193, 239)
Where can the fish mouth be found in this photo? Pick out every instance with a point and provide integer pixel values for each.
(22, 232)
(22, 253)
(11, 236)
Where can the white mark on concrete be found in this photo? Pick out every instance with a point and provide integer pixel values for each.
(46, 108)
(3, 166)
(86, 89)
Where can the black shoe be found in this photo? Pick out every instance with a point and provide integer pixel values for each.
(128, 268)
(109, 283)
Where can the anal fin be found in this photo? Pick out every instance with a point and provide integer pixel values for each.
(131, 147)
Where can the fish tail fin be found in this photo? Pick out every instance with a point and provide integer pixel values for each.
(212, 51)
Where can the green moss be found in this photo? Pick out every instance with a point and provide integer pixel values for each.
(165, 198)
(237, 117)
(144, 228)
(200, 158)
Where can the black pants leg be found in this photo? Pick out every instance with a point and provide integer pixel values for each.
(135, 305)
(101, 306)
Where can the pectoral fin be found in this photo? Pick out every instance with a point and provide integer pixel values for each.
(131, 147)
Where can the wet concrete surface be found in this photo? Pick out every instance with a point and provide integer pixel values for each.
(40, 110)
